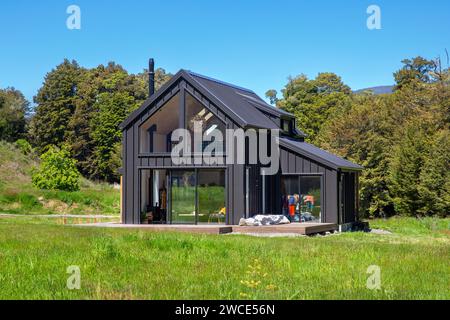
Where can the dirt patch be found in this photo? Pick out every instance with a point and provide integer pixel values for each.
(11, 171)
(55, 206)
(379, 231)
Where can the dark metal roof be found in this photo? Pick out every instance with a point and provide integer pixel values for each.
(259, 103)
(319, 155)
(300, 133)
(234, 98)
(248, 110)
(197, 75)
(242, 105)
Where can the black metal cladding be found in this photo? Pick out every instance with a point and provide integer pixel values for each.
(349, 209)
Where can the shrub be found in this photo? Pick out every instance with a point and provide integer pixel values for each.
(57, 171)
(24, 146)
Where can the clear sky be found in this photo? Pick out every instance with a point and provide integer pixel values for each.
(254, 44)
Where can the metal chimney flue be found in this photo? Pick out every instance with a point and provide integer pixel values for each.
(151, 77)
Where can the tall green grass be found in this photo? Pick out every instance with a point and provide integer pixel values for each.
(430, 226)
(137, 264)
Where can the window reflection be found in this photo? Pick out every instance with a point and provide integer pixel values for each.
(301, 198)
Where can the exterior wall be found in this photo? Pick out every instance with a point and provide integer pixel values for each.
(130, 176)
(235, 188)
(255, 191)
(349, 196)
(292, 163)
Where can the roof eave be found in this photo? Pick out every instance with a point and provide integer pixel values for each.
(355, 168)
(320, 159)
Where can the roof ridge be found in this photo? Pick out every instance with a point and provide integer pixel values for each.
(218, 81)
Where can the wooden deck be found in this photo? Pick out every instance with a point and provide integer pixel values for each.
(298, 228)
(292, 228)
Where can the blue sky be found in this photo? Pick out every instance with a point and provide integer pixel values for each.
(254, 44)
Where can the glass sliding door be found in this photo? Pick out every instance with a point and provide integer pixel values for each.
(211, 196)
(183, 196)
(310, 189)
(197, 196)
(302, 197)
(290, 196)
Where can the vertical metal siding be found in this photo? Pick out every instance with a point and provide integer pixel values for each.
(331, 194)
(129, 176)
(137, 207)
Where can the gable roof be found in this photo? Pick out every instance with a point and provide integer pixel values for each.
(246, 108)
(235, 96)
(240, 104)
(319, 155)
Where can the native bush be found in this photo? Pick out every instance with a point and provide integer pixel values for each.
(57, 171)
(24, 146)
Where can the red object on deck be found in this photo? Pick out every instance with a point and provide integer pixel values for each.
(292, 210)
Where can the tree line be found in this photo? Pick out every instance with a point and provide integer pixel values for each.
(80, 109)
(401, 139)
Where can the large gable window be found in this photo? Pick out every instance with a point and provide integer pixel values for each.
(212, 128)
(155, 133)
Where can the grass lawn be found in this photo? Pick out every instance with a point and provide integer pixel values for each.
(134, 264)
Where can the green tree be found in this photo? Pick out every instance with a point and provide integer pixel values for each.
(24, 146)
(272, 96)
(363, 134)
(78, 131)
(434, 180)
(416, 70)
(90, 143)
(374, 127)
(82, 108)
(56, 102)
(314, 102)
(57, 171)
(328, 82)
(106, 135)
(161, 77)
(13, 111)
(109, 79)
(405, 168)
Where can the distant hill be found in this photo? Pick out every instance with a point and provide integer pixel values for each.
(377, 90)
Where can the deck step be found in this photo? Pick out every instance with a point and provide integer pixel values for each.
(299, 228)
